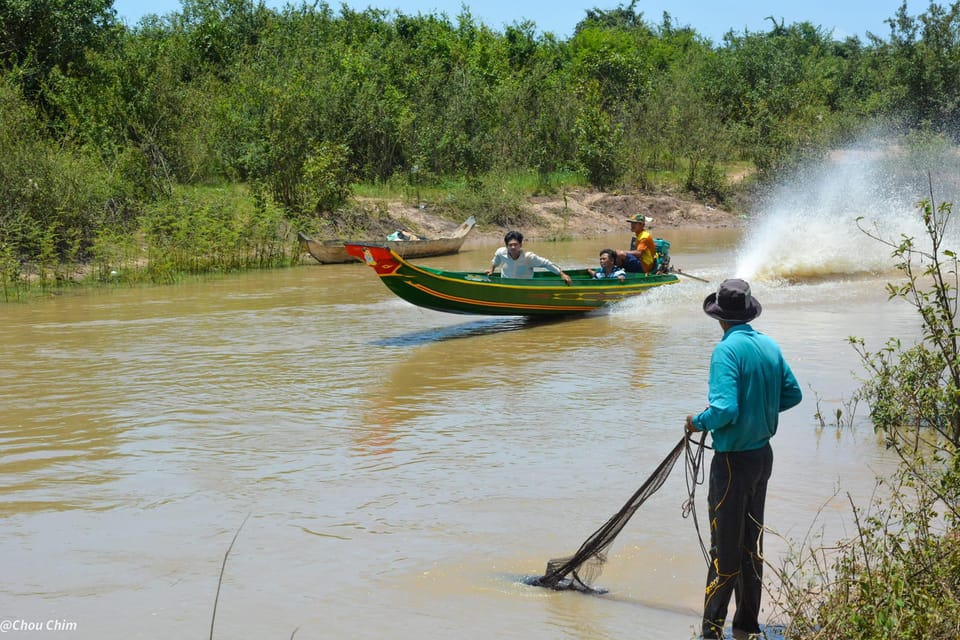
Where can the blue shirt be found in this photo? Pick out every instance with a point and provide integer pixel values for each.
(750, 384)
(616, 273)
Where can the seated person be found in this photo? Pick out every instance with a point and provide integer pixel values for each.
(608, 267)
(642, 255)
(517, 263)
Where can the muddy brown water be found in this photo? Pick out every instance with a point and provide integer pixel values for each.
(402, 469)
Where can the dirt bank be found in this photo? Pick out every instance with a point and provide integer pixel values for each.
(578, 214)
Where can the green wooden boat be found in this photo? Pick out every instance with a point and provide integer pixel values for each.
(477, 293)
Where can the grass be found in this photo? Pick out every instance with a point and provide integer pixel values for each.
(208, 229)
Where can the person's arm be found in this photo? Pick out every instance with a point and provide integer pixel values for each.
(723, 407)
(497, 259)
(593, 274)
(537, 261)
(790, 393)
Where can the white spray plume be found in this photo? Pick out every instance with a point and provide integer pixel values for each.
(808, 227)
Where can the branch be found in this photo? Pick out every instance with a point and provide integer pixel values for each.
(223, 567)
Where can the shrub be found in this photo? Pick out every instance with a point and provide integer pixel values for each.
(492, 200)
(899, 576)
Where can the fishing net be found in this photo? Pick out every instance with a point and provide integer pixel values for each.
(580, 570)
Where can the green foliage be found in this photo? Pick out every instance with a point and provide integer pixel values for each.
(708, 182)
(326, 177)
(52, 199)
(443, 196)
(896, 578)
(496, 198)
(597, 142)
(780, 88)
(115, 255)
(37, 36)
(219, 31)
(676, 131)
(206, 231)
(917, 67)
(11, 274)
(110, 121)
(919, 388)
(613, 61)
(619, 18)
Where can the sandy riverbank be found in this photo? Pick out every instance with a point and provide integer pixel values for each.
(578, 214)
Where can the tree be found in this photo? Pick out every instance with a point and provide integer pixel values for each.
(37, 36)
(923, 63)
(772, 86)
(622, 17)
(598, 140)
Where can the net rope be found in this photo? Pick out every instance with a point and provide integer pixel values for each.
(580, 570)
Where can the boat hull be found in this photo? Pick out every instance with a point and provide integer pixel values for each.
(477, 293)
(333, 251)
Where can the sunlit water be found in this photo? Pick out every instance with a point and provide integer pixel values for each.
(402, 469)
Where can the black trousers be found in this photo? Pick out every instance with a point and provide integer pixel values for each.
(632, 264)
(738, 490)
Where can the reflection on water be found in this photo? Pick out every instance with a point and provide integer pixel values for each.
(399, 464)
(419, 382)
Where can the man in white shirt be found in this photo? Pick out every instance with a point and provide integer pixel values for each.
(514, 262)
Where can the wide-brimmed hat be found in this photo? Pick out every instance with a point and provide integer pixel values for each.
(639, 218)
(732, 302)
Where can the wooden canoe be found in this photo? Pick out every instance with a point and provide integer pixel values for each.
(477, 293)
(332, 251)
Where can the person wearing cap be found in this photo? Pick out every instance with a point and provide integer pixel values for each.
(750, 384)
(642, 255)
(515, 262)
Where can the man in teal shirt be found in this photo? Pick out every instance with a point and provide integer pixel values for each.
(750, 384)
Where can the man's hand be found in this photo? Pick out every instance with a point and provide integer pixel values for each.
(689, 425)
(566, 278)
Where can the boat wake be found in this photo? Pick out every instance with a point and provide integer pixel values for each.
(483, 327)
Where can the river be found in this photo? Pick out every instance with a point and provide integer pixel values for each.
(397, 471)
